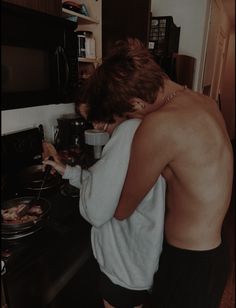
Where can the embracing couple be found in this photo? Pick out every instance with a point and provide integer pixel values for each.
(158, 196)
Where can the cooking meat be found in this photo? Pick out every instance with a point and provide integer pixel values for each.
(36, 209)
(10, 215)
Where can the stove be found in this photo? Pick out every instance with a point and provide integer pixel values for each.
(37, 266)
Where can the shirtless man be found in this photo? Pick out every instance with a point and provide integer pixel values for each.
(184, 138)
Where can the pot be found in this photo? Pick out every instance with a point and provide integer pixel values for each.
(24, 228)
(32, 178)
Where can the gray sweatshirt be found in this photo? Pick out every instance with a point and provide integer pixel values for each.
(127, 251)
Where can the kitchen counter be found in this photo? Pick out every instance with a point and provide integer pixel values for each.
(42, 264)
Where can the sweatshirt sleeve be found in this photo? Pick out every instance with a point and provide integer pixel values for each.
(101, 185)
(73, 174)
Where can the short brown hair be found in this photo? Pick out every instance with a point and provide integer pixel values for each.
(128, 71)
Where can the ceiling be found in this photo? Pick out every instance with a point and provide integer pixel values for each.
(229, 6)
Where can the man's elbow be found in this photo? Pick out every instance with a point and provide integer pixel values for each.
(119, 216)
(125, 209)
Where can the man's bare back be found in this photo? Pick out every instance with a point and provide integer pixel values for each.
(185, 140)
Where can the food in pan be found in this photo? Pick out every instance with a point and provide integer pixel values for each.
(10, 215)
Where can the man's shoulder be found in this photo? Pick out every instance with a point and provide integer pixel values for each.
(160, 119)
(166, 129)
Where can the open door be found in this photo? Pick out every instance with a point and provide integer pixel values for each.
(215, 55)
(218, 67)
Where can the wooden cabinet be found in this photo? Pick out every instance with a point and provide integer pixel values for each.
(122, 19)
(111, 20)
(52, 7)
(91, 23)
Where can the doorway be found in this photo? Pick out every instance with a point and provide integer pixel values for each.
(215, 54)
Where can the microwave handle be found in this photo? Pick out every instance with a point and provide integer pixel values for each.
(60, 52)
(57, 54)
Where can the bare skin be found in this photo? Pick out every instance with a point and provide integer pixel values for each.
(186, 140)
(107, 305)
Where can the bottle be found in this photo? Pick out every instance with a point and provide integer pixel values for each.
(90, 45)
(81, 44)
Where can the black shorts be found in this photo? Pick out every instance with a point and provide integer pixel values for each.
(190, 279)
(120, 297)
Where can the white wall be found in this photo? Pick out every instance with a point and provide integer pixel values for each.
(17, 119)
(192, 17)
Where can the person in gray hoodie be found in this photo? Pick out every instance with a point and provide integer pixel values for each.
(127, 251)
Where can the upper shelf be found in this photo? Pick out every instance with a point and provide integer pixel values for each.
(81, 18)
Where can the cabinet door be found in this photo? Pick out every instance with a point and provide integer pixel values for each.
(122, 19)
(52, 7)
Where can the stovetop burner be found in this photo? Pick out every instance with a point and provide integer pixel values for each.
(19, 235)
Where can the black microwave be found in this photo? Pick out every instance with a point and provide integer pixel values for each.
(39, 58)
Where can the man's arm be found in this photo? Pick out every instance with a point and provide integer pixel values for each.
(150, 153)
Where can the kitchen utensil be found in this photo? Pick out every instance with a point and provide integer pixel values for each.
(96, 138)
(70, 131)
(27, 207)
(35, 201)
(31, 179)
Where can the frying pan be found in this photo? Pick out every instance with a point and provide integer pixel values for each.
(32, 178)
(14, 228)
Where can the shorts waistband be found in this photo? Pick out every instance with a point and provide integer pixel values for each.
(176, 250)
